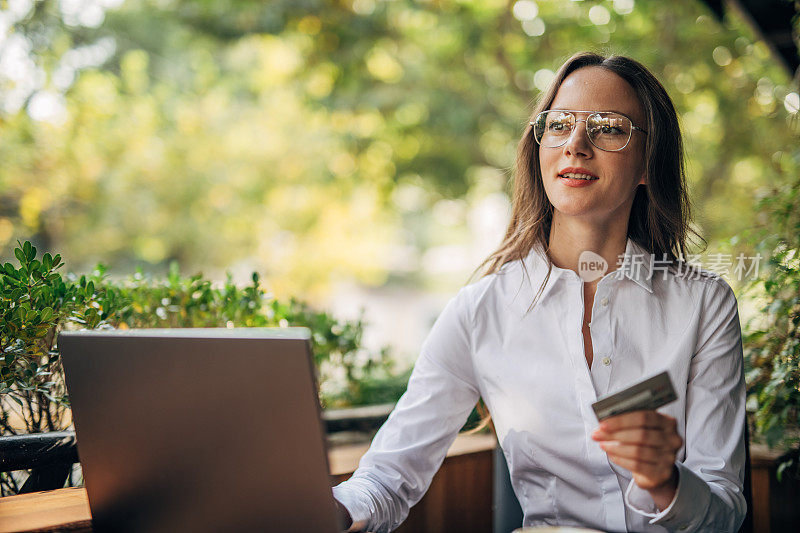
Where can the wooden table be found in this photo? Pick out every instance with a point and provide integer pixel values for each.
(54, 510)
(470, 455)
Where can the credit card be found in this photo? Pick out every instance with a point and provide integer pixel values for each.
(651, 393)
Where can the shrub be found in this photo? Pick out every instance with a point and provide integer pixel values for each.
(188, 302)
(772, 341)
(38, 302)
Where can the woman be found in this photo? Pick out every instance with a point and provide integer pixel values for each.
(541, 337)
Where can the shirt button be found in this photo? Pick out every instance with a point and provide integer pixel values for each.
(604, 302)
(606, 361)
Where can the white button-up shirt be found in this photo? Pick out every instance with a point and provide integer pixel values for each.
(528, 364)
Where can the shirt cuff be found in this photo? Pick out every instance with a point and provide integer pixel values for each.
(359, 511)
(686, 510)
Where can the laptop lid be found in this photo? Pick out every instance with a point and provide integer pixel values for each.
(199, 429)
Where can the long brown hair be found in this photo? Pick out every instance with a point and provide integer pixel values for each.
(660, 215)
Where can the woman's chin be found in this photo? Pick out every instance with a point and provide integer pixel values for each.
(573, 209)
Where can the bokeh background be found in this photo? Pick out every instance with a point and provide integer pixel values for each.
(356, 154)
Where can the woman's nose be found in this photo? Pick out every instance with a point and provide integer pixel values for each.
(578, 142)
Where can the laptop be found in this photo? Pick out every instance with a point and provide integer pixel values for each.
(199, 430)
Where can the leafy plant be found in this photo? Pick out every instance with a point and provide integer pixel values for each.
(772, 342)
(38, 302)
(187, 302)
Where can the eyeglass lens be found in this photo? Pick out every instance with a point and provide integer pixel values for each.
(607, 131)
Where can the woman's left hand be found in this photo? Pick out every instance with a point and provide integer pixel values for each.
(645, 443)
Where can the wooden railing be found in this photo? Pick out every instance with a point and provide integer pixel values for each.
(460, 495)
(50, 456)
(776, 504)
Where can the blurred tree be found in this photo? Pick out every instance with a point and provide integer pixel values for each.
(308, 139)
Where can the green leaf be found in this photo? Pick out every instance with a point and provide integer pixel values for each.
(46, 314)
(20, 255)
(47, 261)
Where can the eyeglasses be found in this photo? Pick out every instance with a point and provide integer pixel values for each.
(607, 130)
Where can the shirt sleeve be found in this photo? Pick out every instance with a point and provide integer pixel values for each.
(710, 478)
(409, 448)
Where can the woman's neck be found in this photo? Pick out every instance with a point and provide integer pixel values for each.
(571, 236)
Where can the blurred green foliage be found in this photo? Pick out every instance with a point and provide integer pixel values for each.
(772, 340)
(38, 302)
(264, 134)
(347, 372)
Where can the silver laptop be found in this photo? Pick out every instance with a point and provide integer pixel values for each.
(199, 430)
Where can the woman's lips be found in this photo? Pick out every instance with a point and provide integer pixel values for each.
(577, 179)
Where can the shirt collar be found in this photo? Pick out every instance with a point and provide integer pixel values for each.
(635, 264)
